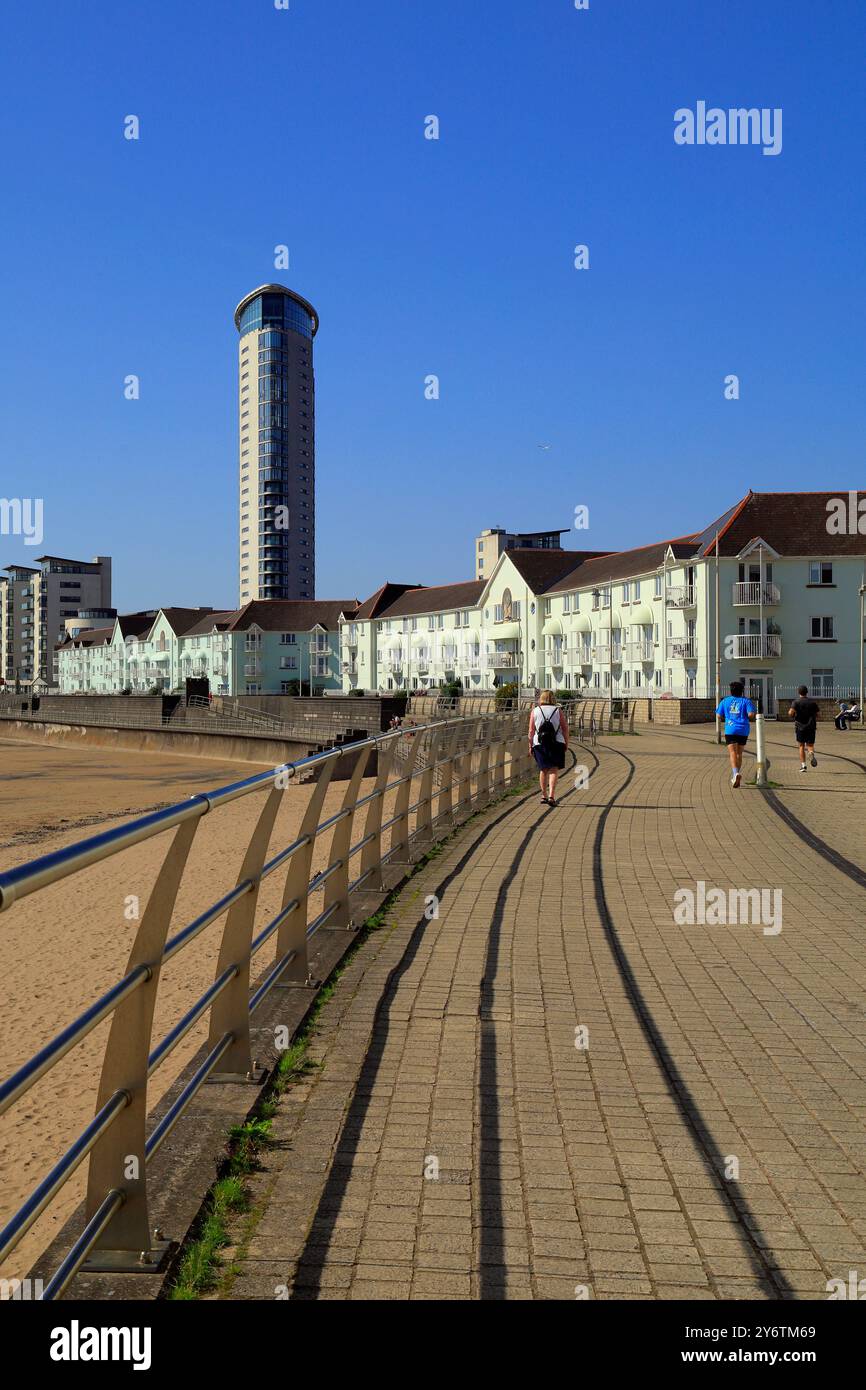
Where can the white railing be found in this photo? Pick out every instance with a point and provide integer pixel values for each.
(684, 647)
(600, 655)
(752, 594)
(681, 595)
(753, 644)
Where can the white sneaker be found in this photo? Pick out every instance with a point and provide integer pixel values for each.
(735, 781)
(802, 767)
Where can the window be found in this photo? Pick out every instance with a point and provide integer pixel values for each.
(466, 619)
(431, 623)
(820, 572)
(547, 607)
(626, 592)
(515, 611)
(566, 603)
(440, 619)
(821, 629)
(497, 613)
(822, 680)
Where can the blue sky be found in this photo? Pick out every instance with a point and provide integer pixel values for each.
(451, 257)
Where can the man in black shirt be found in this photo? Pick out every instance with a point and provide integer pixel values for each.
(804, 712)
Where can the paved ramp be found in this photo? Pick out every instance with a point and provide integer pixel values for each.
(554, 1090)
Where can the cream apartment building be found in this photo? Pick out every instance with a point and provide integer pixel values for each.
(770, 592)
(267, 647)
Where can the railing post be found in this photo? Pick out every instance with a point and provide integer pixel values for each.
(292, 933)
(761, 752)
(118, 1158)
(371, 854)
(445, 803)
(424, 816)
(400, 828)
(482, 775)
(230, 1012)
(463, 764)
(337, 885)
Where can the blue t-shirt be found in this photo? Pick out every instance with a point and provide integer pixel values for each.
(735, 710)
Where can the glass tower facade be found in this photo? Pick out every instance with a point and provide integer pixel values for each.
(276, 392)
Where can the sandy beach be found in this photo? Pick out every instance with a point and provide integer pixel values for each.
(62, 947)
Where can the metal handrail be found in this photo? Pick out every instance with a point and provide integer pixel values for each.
(483, 754)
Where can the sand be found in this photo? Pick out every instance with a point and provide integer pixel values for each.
(60, 948)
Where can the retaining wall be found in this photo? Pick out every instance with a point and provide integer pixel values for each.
(268, 752)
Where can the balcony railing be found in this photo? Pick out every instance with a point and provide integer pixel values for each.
(753, 644)
(752, 594)
(601, 655)
(681, 595)
(639, 651)
(685, 647)
(503, 660)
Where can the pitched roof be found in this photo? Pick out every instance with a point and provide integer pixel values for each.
(221, 619)
(793, 523)
(622, 564)
(136, 624)
(389, 593)
(433, 598)
(90, 637)
(292, 615)
(180, 620)
(542, 569)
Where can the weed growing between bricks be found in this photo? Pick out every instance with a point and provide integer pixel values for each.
(200, 1266)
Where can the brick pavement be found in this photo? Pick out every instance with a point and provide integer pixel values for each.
(454, 1142)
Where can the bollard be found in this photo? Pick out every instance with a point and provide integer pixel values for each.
(761, 780)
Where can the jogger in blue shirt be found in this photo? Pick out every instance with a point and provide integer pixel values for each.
(737, 712)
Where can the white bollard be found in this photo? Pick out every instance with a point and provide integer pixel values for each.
(761, 780)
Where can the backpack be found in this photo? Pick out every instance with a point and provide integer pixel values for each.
(547, 736)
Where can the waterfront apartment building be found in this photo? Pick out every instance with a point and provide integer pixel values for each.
(276, 407)
(770, 591)
(495, 541)
(34, 606)
(268, 647)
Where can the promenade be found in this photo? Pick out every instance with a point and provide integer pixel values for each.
(554, 1089)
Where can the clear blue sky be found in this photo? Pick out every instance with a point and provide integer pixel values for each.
(454, 257)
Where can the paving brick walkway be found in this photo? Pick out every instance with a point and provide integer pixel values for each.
(707, 1141)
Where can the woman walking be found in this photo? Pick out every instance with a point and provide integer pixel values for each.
(548, 740)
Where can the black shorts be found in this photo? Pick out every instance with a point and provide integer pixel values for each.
(736, 738)
(805, 733)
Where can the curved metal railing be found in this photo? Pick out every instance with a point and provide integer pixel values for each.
(472, 760)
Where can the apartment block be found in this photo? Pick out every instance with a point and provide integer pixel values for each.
(496, 540)
(769, 592)
(35, 604)
(268, 647)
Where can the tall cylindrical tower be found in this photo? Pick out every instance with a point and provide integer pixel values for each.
(276, 396)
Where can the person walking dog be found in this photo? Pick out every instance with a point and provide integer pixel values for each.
(548, 740)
